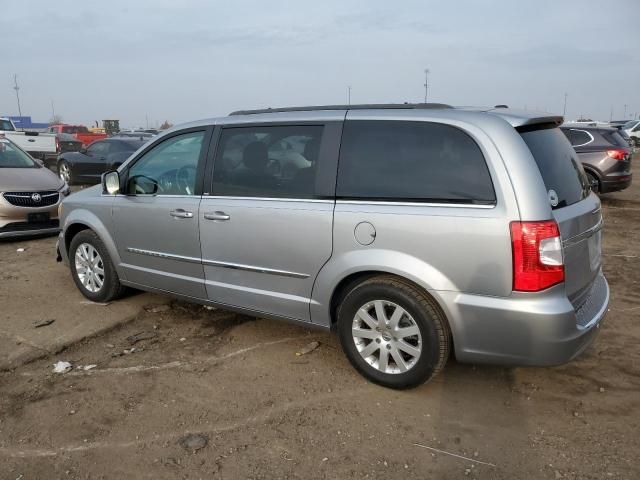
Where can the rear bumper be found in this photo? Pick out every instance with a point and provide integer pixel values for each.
(615, 184)
(539, 329)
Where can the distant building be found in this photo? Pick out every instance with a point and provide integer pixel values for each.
(27, 124)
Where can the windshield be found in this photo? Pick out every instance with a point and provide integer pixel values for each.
(6, 125)
(74, 129)
(629, 124)
(12, 157)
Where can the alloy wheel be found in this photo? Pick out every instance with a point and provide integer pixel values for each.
(386, 336)
(89, 267)
(64, 172)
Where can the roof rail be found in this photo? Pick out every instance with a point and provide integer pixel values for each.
(365, 106)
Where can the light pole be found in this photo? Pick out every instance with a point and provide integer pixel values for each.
(17, 88)
(349, 95)
(564, 110)
(426, 84)
(625, 111)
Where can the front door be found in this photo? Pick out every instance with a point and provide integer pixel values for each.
(156, 219)
(266, 228)
(94, 161)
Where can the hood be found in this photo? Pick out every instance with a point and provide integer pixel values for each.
(28, 180)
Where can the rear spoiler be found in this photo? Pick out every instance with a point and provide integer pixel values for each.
(527, 120)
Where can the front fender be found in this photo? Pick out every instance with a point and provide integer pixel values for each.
(89, 219)
(372, 260)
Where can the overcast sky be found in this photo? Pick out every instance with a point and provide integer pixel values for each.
(183, 60)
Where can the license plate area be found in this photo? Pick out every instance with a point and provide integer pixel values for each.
(40, 217)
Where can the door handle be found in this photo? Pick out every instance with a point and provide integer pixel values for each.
(180, 213)
(220, 216)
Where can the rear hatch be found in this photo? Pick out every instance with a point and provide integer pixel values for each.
(576, 210)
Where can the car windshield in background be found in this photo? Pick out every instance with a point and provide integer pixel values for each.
(134, 145)
(13, 157)
(558, 164)
(629, 124)
(74, 130)
(615, 138)
(6, 125)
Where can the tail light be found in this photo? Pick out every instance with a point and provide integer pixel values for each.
(58, 149)
(538, 262)
(617, 154)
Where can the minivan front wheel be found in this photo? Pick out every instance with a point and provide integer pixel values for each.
(92, 269)
(393, 333)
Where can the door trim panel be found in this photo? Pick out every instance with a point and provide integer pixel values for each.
(214, 263)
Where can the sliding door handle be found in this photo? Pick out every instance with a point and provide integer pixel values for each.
(219, 216)
(180, 213)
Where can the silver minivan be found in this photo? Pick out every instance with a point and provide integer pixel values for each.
(414, 231)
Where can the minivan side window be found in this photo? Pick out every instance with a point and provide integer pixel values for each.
(267, 161)
(169, 168)
(412, 161)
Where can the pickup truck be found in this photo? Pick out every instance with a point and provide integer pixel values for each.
(39, 145)
(81, 132)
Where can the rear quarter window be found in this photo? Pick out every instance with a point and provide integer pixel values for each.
(558, 163)
(411, 161)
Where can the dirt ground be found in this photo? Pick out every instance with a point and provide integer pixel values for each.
(259, 411)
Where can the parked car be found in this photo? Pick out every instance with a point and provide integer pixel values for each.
(605, 155)
(81, 132)
(412, 230)
(88, 164)
(39, 145)
(29, 194)
(632, 128)
(133, 134)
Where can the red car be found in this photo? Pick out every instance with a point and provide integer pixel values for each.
(81, 132)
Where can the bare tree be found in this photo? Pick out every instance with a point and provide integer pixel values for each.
(166, 125)
(55, 119)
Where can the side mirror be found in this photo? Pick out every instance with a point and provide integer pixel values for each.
(111, 182)
(83, 150)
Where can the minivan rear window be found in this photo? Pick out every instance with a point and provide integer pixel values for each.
(558, 163)
(411, 161)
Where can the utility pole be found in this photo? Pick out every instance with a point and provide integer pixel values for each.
(611, 114)
(17, 88)
(426, 84)
(349, 95)
(564, 110)
(53, 111)
(625, 111)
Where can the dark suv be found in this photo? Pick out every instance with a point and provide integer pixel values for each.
(605, 156)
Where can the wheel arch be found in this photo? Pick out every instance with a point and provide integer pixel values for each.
(80, 220)
(343, 272)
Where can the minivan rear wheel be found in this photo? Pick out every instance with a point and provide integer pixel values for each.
(92, 269)
(393, 333)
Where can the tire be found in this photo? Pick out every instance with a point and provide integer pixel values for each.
(431, 338)
(65, 172)
(107, 286)
(593, 182)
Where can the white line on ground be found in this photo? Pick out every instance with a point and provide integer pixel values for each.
(619, 255)
(454, 455)
(174, 364)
